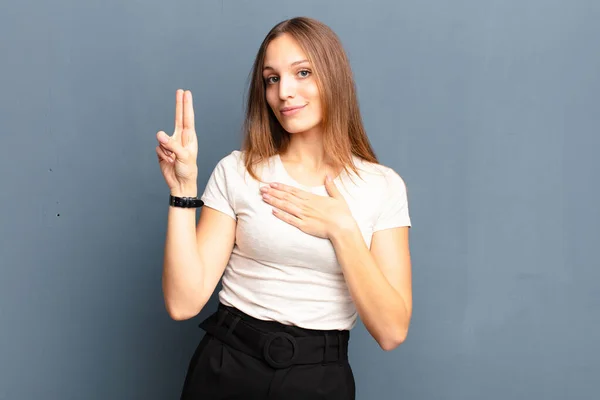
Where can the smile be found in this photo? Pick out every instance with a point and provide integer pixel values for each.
(287, 111)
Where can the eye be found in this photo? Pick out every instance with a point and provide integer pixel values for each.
(271, 80)
(304, 73)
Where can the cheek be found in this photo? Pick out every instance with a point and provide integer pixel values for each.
(310, 91)
(315, 99)
(271, 97)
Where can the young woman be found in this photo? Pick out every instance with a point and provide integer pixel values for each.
(304, 227)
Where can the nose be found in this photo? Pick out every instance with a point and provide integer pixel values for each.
(287, 87)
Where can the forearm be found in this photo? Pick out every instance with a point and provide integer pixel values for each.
(182, 272)
(381, 308)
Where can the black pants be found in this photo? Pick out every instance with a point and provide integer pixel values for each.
(241, 357)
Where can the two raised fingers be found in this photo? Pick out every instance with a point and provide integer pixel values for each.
(184, 116)
(184, 128)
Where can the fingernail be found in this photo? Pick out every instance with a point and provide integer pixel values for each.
(163, 138)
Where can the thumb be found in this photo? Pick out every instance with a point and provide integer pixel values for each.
(170, 143)
(331, 188)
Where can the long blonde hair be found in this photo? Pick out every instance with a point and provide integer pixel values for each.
(343, 131)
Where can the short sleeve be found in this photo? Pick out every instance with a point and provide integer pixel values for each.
(394, 207)
(217, 193)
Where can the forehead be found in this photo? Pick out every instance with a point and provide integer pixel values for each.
(283, 51)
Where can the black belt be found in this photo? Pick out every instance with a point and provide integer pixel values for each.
(233, 330)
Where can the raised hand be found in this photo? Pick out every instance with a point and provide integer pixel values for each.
(177, 154)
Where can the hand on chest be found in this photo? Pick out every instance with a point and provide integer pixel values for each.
(264, 237)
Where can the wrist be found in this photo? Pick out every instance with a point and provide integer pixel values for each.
(342, 228)
(185, 191)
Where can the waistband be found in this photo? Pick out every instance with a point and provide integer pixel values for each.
(279, 345)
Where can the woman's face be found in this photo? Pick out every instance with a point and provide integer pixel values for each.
(291, 87)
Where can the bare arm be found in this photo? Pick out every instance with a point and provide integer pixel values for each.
(195, 257)
(379, 281)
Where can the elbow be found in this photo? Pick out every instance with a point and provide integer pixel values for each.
(396, 333)
(182, 307)
(393, 340)
(178, 315)
(181, 313)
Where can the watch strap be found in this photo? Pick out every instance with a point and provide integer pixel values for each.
(185, 202)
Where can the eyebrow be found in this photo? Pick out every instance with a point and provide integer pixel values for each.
(291, 65)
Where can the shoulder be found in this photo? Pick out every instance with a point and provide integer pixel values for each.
(232, 163)
(231, 168)
(379, 175)
(232, 159)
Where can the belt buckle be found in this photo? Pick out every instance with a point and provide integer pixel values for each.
(270, 360)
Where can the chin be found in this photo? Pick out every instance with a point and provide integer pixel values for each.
(295, 129)
(298, 127)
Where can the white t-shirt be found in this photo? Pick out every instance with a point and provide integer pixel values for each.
(276, 271)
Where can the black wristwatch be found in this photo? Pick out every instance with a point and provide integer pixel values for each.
(185, 202)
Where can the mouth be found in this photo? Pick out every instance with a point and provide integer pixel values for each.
(291, 110)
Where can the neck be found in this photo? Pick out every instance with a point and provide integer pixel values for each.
(306, 149)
